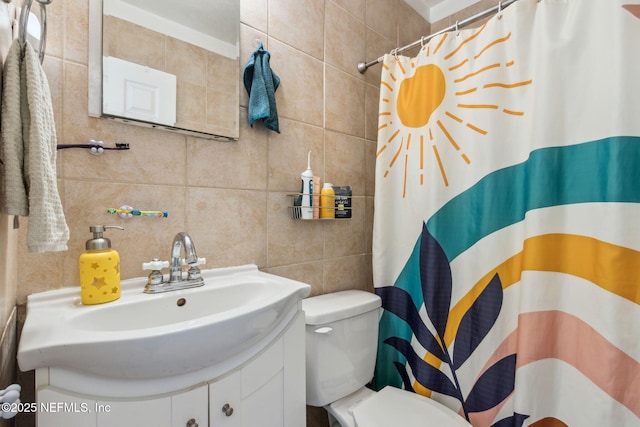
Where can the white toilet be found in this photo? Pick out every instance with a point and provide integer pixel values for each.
(341, 346)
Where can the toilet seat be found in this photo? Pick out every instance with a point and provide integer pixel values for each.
(394, 407)
(342, 410)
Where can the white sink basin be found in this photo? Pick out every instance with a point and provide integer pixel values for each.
(142, 336)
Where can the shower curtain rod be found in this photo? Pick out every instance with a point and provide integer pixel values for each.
(362, 66)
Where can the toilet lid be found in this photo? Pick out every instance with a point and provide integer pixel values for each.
(394, 407)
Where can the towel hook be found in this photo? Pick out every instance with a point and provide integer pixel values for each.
(24, 21)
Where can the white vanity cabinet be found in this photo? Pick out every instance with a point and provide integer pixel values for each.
(267, 390)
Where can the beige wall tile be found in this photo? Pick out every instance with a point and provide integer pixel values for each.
(154, 157)
(354, 7)
(300, 95)
(382, 15)
(369, 209)
(344, 161)
(344, 102)
(254, 13)
(341, 27)
(219, 118)
(377, 46)
(370, 167)
(228, 226)
(75, 22)
(347, 273)
(186, 61)
(309, 273)
(245, 165)
(346, 237)
(109, 35)
(56, 28)
(288, 154)
(191, 105)
(143, 239)
(291, 241)
(219, 68)
(138, 44)
(298, 23)
(372, 106)
(43, 272)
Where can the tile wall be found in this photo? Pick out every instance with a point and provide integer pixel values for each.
(231, 197)
(478, 7)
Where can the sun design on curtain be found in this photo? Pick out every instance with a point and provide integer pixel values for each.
(423, 90)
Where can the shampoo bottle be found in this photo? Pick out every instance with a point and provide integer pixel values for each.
(99, 269)
(307, 190)
(327, 201)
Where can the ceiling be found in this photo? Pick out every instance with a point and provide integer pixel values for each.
(435, 10)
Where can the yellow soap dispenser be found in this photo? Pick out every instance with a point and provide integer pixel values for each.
(99, 269)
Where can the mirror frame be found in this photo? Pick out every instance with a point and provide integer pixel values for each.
(95, 83)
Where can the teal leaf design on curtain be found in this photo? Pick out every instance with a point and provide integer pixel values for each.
(478, 321)
(399, 302)
(423, 372)
(495, 384)
(516, 420)
(435, 278)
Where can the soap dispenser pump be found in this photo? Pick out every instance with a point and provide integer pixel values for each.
(99, 269)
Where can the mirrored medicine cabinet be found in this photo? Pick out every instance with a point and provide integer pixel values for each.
(166, 64)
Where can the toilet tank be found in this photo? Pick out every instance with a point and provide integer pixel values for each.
(341, 343)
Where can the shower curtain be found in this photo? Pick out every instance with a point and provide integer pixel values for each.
(506, 243)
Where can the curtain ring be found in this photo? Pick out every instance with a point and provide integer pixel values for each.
(457, 29)
(500, 10)
(421, 42)
(394, 52)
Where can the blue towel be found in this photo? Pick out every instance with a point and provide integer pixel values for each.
(261, 84)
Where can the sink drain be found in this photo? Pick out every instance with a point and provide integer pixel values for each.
(181, 302)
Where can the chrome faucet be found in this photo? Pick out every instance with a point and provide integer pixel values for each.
(176, 281)
(181, 240)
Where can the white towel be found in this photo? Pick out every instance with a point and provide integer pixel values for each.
(13, 192)
(29, 152)
(48, 229)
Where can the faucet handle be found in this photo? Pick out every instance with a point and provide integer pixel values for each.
(156, 264)
(200, 261)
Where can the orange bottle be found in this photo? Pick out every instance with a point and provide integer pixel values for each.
(327, 201)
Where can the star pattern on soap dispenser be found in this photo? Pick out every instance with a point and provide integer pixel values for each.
(99, 282)
(114, 290)
(95, 265)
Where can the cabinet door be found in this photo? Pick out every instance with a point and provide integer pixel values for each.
(135, 413)
(262, 388)
(60, 409)
(225, 402)
(190, 405)
(265, 406)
